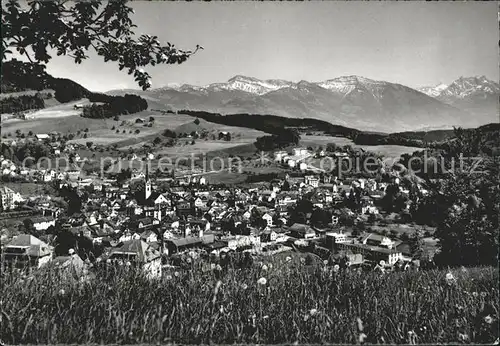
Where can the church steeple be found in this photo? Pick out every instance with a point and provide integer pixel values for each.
(147, 187)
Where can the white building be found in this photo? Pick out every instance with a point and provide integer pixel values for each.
(300, 152)
(311, 180)
(9, 198)
(280, 155)
(337, 237)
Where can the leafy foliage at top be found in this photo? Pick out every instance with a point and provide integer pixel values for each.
(464, 198)
(72, 29)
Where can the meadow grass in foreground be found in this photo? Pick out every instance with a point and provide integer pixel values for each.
(261, 305)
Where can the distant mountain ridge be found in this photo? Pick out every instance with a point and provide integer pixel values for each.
(477, 95)
(352, 101)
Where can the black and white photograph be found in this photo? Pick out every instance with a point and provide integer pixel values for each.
(249, 172)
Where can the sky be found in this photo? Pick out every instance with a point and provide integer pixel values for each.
(411, 43)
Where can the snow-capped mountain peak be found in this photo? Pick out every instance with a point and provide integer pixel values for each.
(463, 87)
(468, 86)
(251, 85)
(346, 84)
(433, 91)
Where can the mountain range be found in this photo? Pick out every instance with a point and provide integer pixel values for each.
(352, 101)
(478, 96)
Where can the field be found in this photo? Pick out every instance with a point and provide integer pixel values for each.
(296, 304)
(101, 132)
(390, 151)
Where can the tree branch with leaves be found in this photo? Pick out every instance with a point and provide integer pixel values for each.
(72, 29)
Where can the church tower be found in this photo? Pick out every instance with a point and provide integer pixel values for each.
(147, 187)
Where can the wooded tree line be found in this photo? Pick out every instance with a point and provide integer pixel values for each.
(116, 105)
(464, 204)
(21, 103)
(34, 149)
(271, 123)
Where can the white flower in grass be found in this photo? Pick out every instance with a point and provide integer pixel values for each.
(488, 319)
(450, 279)
(128, 264)
(168, 277)
(361, 338)
(336, 268)
(382, 263)
(62, 292)
(302, 260)
(244, 286)
(313, 312)
(288, 258)
(177, 274)
(475, 294)
(262, 281)
(325, 262)
(212, 266)
(264, 267)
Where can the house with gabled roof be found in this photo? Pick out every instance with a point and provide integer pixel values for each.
(27, 251)
(301, 231)
(137, 253)
(149, 236)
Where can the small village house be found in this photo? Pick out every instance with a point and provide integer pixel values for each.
(25, 251)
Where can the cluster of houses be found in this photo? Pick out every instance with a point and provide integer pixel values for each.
(194, 216)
